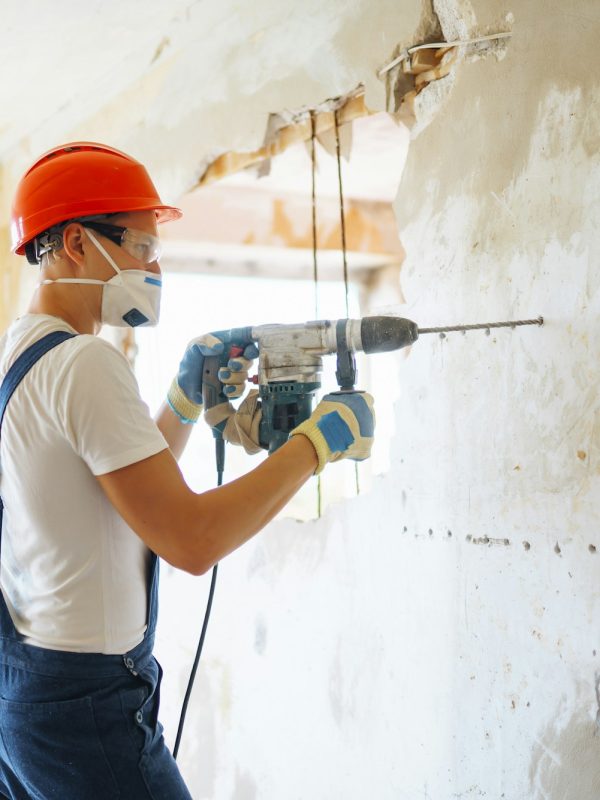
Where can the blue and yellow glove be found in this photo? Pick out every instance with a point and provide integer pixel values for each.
(239, 426)
(185, 393)
(341, 426)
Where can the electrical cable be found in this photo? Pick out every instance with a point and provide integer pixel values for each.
(342, 215)
(343, 230)
(220, 457)
(435, 45)
(313, 159)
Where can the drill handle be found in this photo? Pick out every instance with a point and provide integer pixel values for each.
(346, 362)
(235, 341)
(212, 395)
(212, 388)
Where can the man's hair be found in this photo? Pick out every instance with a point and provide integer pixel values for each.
(50, 241)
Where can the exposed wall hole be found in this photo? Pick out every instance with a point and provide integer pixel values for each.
(251, 217)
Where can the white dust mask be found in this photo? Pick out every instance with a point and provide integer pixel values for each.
(130, 298)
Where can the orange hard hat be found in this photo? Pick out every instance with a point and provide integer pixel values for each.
(81, 179)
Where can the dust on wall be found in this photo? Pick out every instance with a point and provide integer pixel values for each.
(498, 211)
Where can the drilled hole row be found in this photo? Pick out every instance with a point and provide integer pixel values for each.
(489, 540)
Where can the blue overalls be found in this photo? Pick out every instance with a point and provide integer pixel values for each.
(81, 726)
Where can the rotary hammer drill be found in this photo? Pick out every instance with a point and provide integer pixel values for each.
(290, 364)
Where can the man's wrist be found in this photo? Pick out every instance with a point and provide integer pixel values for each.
(181, 405)
(307, 448)
(308, 431)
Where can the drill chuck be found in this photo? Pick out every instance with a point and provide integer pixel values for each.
(384, 334)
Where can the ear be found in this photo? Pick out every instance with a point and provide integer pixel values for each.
(74, 242)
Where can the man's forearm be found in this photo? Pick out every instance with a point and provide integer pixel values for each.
(176, 432)
(238, 510)
(193, 531)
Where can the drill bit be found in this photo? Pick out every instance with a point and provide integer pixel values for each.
(483, 326)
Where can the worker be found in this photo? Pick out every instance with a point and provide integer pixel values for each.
(92, 492)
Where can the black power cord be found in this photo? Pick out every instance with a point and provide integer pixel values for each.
(196, 661)
(220, 456)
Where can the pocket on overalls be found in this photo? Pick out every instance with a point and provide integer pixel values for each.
(55, 749)
(140, 704)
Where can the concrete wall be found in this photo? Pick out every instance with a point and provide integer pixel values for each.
(438, 638)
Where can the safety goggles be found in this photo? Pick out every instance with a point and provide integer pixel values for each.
(141, 245)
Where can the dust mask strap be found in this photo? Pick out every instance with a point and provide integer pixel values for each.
(94, 281)
(130, 298)
(106, 255)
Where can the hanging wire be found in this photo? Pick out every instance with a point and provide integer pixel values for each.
(313, 154)
(313, 133)
(342, 215)
(343, 230)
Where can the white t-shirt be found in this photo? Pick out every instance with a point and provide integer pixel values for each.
(73, 573)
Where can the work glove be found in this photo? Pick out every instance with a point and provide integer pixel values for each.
(185, 393)
(341, 426)
(239, 426)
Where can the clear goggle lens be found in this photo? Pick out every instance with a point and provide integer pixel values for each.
(142, 246)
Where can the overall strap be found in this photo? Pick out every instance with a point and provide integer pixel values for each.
(23, 364)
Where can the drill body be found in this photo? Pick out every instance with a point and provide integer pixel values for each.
(290, 364)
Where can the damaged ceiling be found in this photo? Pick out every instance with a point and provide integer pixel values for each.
(180, 85)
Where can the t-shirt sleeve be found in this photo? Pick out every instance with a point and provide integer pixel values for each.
(101, 411)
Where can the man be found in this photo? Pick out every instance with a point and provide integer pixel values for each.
(93, 495)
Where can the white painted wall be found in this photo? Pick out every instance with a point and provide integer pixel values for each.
(386, 651)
